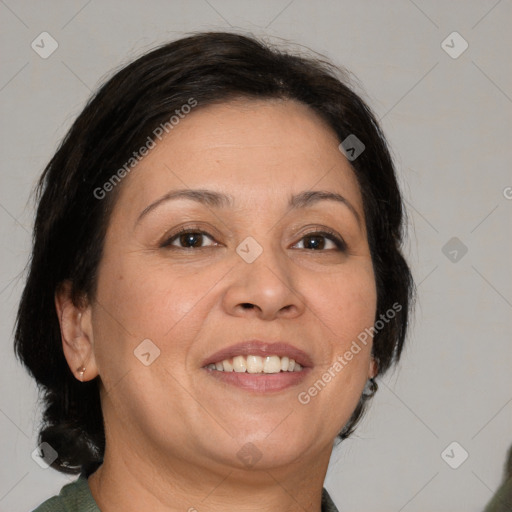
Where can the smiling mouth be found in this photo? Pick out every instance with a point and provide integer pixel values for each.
(256, 365)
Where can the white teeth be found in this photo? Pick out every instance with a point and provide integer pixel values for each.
(256, 364)
(272, 364)
(228, 367)
(239, 364)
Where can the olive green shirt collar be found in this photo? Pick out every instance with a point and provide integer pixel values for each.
(77, 497)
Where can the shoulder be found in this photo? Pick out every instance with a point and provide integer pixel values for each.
(73, 497)
(327, 503)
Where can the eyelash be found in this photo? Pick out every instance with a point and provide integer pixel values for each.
(326, 233)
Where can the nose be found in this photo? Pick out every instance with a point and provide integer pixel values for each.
(265, 288)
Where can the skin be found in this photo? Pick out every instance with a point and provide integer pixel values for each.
(173, 432)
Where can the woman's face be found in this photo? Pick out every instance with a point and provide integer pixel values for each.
(257, 275)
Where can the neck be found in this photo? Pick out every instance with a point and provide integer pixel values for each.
(131, 482)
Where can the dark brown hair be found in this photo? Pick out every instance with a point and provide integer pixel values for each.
(71, 221)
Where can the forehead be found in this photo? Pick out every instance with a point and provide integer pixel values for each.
(248, 149)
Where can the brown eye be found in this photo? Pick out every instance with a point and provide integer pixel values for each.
(188, 239)
(316, 241)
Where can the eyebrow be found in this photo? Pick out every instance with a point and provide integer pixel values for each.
(215, 199)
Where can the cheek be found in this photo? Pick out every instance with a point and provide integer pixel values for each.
(345, 306)
(138, 302)
(140, 299)
(347, 302)
(146, 299)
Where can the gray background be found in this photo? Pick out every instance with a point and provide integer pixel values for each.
(449, 123)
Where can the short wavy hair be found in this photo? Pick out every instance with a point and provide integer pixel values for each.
(70, 224)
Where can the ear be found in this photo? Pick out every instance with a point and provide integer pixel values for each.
(76, 333)
(373, 369)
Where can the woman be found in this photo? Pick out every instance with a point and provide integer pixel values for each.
(216, 281)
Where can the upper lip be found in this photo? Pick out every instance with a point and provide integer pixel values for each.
(260, 348)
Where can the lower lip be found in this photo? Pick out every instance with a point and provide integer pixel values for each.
(260, 382)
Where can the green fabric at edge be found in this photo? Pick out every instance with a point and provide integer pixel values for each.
(77, 497)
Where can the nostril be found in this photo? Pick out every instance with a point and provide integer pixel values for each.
(246, 305)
